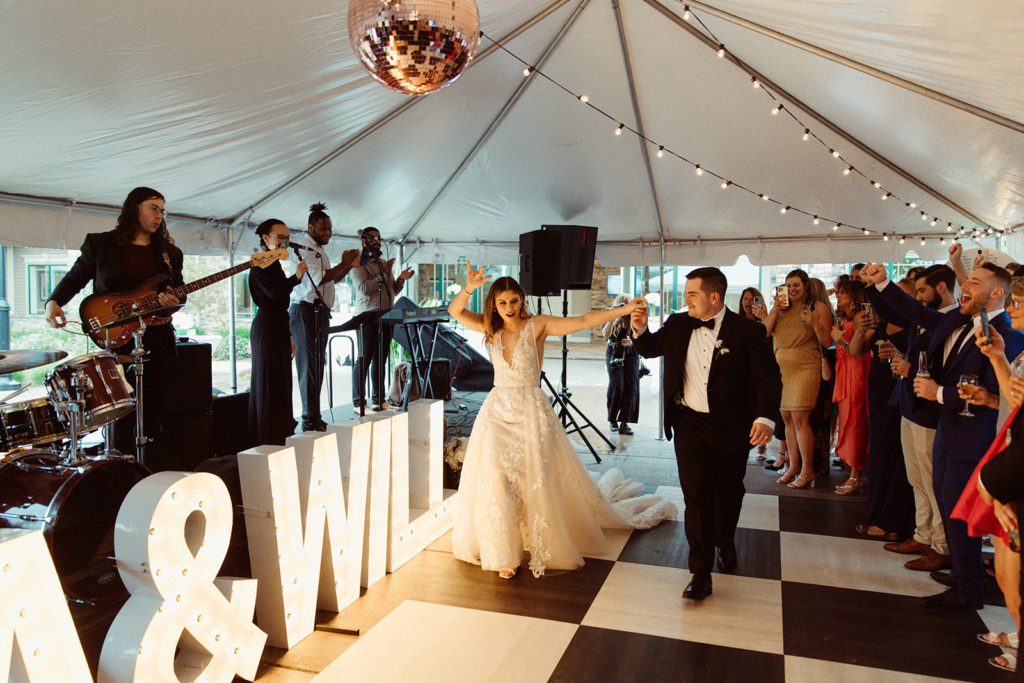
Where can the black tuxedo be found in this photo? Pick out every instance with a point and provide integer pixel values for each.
(744, 383)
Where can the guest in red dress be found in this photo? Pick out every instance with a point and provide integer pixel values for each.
(850, 393)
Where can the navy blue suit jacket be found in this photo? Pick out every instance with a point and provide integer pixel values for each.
(957, 437)
(917, 410)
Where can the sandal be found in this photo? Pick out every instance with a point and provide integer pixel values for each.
(802, 482)
(787, 477)
(1008, 663)
(849, 488)
(1000, 639)
(508, 573)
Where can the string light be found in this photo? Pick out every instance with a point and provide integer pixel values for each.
(686, 13)
(778, 107)
(885, 237)
(902, 239)
(922, 241)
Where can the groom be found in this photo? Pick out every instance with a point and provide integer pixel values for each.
(720, 376)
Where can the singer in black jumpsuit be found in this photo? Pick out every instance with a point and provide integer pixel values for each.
(270, 391)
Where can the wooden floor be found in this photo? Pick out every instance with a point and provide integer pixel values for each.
(810, 601)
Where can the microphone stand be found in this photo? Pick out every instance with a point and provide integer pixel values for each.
(318, 306)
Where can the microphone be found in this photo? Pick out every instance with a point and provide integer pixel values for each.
(296, 248)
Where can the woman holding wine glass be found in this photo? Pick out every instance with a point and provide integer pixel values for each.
(850, 393)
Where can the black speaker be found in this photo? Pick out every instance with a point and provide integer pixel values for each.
(440, 379)
(540, 256)
(578, 243)
(229, 434)
(183, 444)
(191, 389)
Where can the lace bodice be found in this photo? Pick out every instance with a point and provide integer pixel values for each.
(524, 370)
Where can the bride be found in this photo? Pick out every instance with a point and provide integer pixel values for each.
(523, 488)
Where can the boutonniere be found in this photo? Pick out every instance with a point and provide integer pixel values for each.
(722, 350)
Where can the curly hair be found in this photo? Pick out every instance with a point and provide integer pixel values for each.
(128, 220)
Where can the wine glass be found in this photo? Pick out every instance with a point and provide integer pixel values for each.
(967, 381)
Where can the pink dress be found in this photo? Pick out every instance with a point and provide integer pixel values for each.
(850, 394)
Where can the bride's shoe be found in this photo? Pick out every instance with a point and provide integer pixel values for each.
(508, 573)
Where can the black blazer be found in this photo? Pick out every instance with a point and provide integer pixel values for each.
(744, 382)
(100, 263)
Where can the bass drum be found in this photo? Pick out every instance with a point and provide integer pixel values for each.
(76, 508)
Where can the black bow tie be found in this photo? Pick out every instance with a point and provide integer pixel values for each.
(710, 323)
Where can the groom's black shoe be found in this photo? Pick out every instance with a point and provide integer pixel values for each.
(727, 559)
(699, 588)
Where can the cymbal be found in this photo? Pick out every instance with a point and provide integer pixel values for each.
(23, 359)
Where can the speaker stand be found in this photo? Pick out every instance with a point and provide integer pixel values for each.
(563, 397)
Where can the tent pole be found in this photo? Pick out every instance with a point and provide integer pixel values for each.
(779, 90)
(232, 353)
(638, 115)
(863, 68)
(661, 323)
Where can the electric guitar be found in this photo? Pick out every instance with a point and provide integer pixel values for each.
(110, 319)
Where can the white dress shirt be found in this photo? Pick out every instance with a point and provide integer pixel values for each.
(698, 365)
(318, 264)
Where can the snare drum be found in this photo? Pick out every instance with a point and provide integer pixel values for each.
(107, 395)
(30, 423)
(76, 508)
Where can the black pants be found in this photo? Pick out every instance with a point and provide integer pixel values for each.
(711, 470)
(310, 353)
(372, 342)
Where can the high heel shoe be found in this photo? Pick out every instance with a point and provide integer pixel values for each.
(849, 488)
(803, 482)
(787, 477)
(775, 467)
(508, 573)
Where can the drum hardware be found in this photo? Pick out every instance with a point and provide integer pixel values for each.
(14, 393)
(139, 354)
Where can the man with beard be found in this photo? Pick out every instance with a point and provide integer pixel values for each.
(934, 287)
(960, 438)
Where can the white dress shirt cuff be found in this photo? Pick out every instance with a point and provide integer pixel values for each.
(882, 285)
(765, 421)
(634, 334)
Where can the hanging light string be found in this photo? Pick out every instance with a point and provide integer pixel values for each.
(850, 168)
(530, 70)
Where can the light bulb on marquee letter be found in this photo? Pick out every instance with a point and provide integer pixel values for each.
(414, 46)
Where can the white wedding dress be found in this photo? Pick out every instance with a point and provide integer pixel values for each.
(523, 488)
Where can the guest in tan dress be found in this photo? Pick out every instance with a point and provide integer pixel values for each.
(799, 326)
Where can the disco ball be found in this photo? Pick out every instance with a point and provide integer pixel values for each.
(414, 46)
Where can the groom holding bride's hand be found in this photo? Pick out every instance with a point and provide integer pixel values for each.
(721, 383)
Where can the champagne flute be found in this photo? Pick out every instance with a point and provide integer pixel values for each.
(869, 314)
(922, 366)
(967, 381)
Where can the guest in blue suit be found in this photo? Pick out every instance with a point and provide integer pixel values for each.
(960, 440)
(934, 289)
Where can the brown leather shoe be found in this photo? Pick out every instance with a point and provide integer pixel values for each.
(930, 562)
(909, 547)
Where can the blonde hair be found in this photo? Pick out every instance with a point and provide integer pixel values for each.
(622, 322)
(816, 291)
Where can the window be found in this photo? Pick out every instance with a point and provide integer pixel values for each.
(41, 281)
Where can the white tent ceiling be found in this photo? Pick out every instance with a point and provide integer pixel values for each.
(242, 111)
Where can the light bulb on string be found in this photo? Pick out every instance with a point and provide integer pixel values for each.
(661, 151)
(584, 99)
(922, 241)
(764, 197)
(886, 196)
(848, 170)
(527, 71)
(726, 184)
(686, 13)
(885, 237)
(698, 170)
(807, 134)
(934, 221)
(942, 240)
(784, 209)
(912, 205)
(816, 220)
(949, 226)
(924, 216)
(618, 131)
(835, 153)
(878, 185)
(902, 239)
(776, 110)
(836, 227)
(754, 82)
(721, 50)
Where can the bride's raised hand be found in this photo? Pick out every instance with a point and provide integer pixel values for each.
(474, 277)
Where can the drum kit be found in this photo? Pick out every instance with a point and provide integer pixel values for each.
(48, 482)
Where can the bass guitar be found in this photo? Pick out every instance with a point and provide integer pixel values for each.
(110, 319)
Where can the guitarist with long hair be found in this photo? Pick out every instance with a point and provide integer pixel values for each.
(117, 261)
